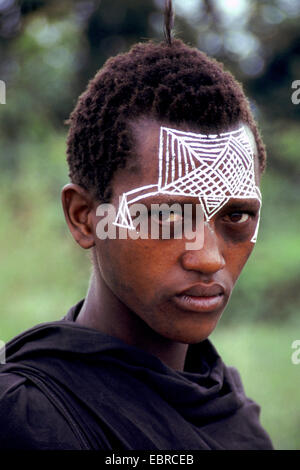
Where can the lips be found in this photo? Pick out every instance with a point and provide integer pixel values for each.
(201, 298)
(202, 290)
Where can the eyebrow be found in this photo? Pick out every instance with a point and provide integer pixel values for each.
(233, 203)
(240, 204)
(169, 199)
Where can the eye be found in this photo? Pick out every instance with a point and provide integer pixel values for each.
(167, 217)
(237, 217)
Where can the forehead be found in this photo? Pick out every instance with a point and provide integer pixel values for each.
(155, 153)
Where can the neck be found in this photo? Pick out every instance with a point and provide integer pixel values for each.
(103, 311)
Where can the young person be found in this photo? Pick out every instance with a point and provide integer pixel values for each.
(131, 366)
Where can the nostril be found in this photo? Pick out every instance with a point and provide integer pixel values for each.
(205, 261)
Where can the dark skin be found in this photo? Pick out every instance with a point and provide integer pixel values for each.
(133, 289)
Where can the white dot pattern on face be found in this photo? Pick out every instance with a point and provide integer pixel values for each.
(213, 168)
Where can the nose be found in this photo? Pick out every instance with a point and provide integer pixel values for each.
(208, 259)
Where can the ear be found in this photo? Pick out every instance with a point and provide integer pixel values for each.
(78, 209)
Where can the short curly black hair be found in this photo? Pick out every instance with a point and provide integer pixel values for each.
(170, 82)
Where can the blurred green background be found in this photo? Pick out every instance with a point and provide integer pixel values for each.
(48, 52)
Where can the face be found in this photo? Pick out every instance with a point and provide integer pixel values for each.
(178, 292)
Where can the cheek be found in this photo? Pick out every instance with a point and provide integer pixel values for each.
(236, 258)
(133, 267)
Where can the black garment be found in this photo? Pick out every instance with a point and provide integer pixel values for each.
(65, 386)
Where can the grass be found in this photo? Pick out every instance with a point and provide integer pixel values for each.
(262, 354)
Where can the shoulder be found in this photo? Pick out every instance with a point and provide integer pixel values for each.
(28, 419)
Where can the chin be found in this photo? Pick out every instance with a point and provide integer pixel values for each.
(192, 334)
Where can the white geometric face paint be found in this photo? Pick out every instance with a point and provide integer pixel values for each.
(213, 168)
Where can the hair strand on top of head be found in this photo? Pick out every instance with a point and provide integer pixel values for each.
(169, 21)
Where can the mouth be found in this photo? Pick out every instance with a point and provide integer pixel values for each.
(201, 298)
